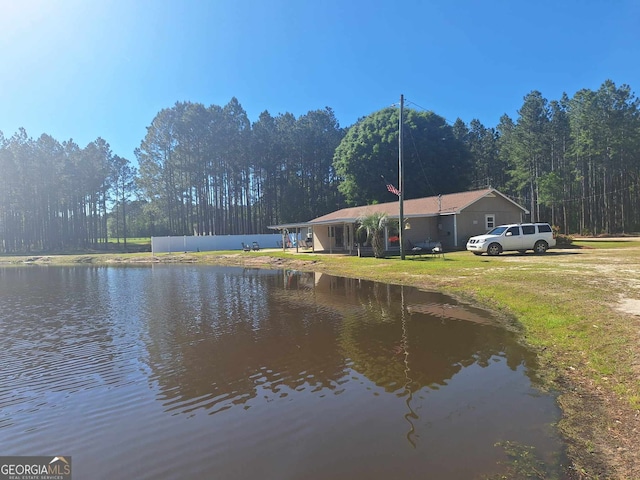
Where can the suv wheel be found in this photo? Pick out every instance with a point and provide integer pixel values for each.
(540, 246)
(494, 249)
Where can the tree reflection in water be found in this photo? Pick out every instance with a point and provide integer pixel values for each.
(222, 340)
(247, 373)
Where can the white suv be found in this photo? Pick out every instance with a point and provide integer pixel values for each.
(518, 236)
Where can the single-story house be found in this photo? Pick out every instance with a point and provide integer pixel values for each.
(449, 219)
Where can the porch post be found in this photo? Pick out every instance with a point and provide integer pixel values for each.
(313, 239)
(455, 231)
(331, 237)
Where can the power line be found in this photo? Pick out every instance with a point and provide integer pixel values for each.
(392, 105)
(428, 110)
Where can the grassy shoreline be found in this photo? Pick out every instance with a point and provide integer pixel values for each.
(577, 307)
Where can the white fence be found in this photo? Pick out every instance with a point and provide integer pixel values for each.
(213, 242)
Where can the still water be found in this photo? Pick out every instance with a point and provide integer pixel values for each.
(180, 372)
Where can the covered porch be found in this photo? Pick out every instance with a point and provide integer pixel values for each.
(342, 236)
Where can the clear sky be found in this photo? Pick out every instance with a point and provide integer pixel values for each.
(82, 69)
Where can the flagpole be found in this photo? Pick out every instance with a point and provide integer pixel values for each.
(401, 179)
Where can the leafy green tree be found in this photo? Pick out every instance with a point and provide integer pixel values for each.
(123, 184)
(560, 142)
(207, 170)
(95, 169)
(530, 149)
(52, 195)
(294, 165)
(550, 189)
(49, 157)
(314, 185)
(482, 142)
(237, 168)
(605, 140)
(435, 161)
(461, 131)
(21, 148)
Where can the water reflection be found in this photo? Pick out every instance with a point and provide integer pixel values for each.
(219, 341)
(442, 335)
(287, 374)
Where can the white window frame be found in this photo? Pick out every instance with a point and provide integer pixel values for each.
(489, 221)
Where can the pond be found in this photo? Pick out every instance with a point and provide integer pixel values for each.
(214, 372)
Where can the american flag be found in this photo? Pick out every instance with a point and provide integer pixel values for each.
(393, 189)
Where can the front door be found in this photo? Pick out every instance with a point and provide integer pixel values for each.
(339, 236)
(348, 242)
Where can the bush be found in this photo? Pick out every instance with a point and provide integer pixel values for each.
(561, 238)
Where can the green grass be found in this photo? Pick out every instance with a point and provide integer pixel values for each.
(133, 241)
(605, 244)
(141, 241)
(133, 244)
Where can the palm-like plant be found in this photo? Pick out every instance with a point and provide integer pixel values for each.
(374, 224)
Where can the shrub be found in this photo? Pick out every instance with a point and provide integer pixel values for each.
(561, 238)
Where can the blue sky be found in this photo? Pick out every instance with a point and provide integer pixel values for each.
(82, 69)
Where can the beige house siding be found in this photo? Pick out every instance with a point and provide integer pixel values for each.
(321, 238)
(342, 238)
(438, 228)
(422, 229)
(450, 219)
(447, 228)
(472, 220)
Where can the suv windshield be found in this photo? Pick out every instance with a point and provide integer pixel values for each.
(496, 231)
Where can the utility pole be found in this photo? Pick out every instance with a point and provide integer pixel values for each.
(401, 179)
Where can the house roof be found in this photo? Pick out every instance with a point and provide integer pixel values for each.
(448, 204)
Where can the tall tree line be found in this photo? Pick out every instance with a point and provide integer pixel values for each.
(574, 161)
(54, 196)
(209, 171)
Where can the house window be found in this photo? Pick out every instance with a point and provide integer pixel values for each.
(490, 221)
